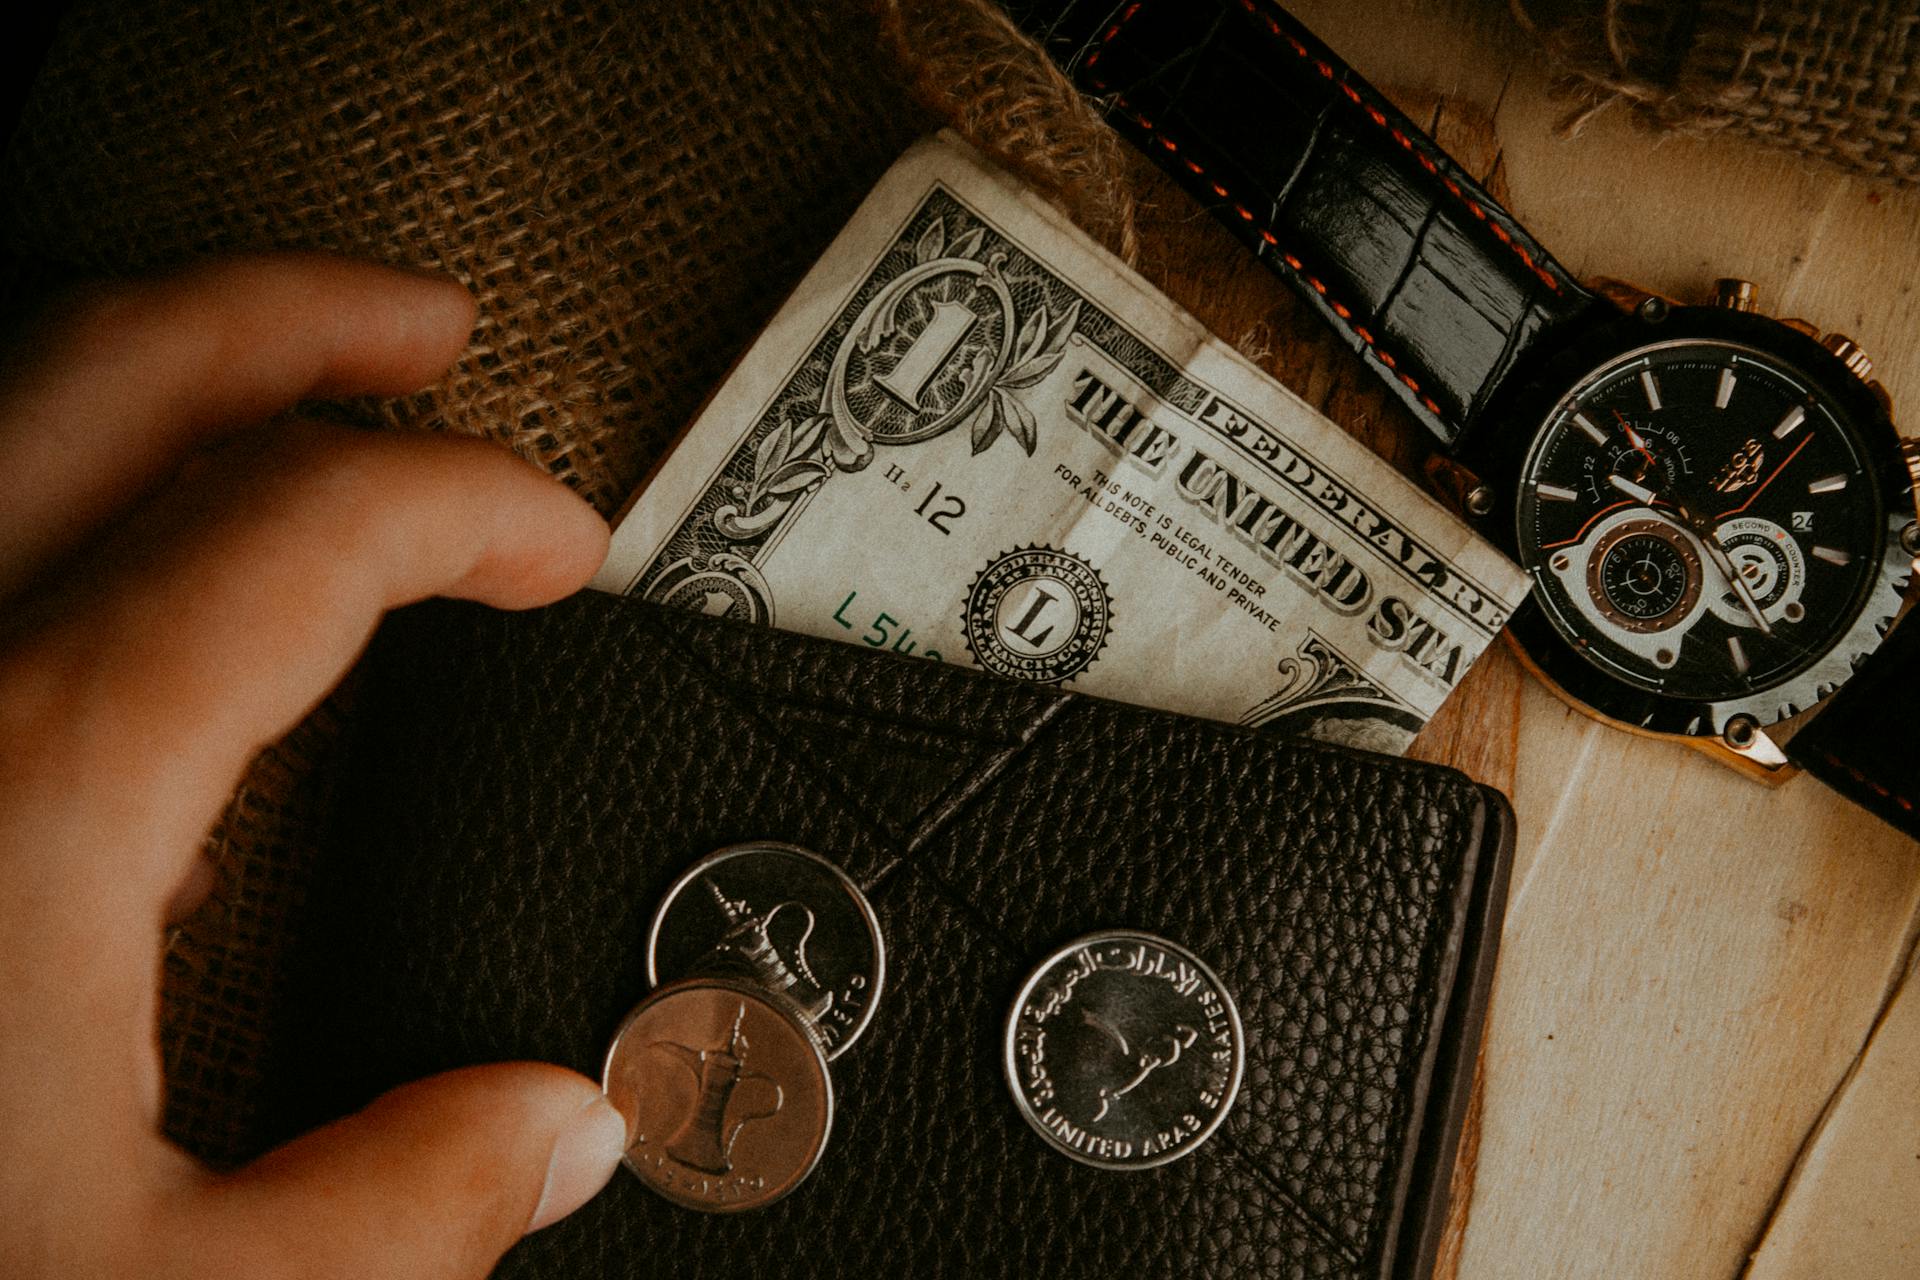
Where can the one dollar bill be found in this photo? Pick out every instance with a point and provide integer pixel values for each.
(974, 436)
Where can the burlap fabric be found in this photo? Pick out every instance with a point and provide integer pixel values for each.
(1836, 80)
(628, 188)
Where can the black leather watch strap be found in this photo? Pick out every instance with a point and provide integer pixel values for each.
(1407, 258)
(1862, 741)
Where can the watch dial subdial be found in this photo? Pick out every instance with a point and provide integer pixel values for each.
(1638, 585)
(1645, 454)
(1771, 565)
(1644, 576)
(1737, 466)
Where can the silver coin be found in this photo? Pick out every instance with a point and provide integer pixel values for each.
(1123, 1050)
(785, 918)
(726, 1095)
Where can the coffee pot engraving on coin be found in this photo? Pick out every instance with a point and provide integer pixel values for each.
(1124, 1050)
(749, 940)
(785, 919)
(725, 1092)
(705, 1139)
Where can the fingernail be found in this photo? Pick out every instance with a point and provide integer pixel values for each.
(584, 1157)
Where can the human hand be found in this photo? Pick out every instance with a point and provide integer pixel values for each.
(174, 595)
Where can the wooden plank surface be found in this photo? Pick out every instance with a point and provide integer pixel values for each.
(1693, 964)
(1850, 1208)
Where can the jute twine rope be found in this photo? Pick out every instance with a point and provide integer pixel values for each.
(629, 189)
(1834, 80)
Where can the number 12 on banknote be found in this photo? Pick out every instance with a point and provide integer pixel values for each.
(973, 436)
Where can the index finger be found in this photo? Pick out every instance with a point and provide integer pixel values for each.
(137, 690)
(124, 380)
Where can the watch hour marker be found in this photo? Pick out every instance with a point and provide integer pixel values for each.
(1652, 388)
(1832, 556)
(1639, 493)
(1594, 433)
(1827, 484)
(1725, 393)
(1795, 416)
(1738, 654)
(1554, 493)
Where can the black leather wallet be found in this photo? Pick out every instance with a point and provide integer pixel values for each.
(526, 786)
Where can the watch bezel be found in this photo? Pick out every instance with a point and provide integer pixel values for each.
(1521, 412)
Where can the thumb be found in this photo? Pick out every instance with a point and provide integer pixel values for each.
(435, 1179)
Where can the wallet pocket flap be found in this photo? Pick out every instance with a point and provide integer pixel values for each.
(527, 786)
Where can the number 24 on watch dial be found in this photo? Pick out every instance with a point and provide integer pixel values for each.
(1703, 524)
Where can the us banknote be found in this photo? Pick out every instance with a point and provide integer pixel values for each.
(973, 436)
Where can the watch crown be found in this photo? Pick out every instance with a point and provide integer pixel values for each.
(1857, 361)
(1735, 295)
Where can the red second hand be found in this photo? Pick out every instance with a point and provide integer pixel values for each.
(1633, 438)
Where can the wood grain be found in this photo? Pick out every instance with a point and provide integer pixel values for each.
(1692, 964)
(1850, 1207)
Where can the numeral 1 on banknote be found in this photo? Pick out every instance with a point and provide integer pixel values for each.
(971, 434)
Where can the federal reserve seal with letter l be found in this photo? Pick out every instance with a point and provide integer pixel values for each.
(786, 919)
(1037, 613)
(1124, 1051)
(725, 1093)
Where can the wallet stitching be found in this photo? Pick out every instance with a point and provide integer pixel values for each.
(1401, 767)
(995, 770)
(951, 802)
(1431, 953)
(971, 786)
(732, 693)
(809, 702)
(905, 846)
(996, 936)
(751, 706)
(825, 713)
(1263, 1173)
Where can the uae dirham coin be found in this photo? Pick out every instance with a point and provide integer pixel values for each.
(726, 1095)
(784, 918)
(1123, 1050)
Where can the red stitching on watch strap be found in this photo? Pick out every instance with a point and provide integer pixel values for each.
(1340, 309)
(1878, 788)
(1379, 118)
(1373, 113)
(1113, 31)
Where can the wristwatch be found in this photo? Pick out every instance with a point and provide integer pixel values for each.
(1713, 504)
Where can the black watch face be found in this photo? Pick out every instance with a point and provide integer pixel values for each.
(1702, 523)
